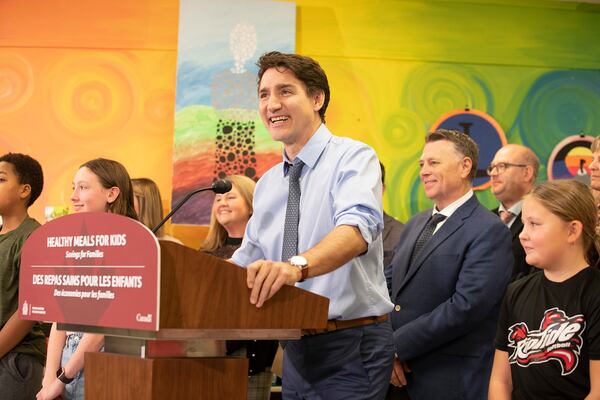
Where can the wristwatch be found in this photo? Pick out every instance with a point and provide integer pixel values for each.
(301, 263)
(60, 374)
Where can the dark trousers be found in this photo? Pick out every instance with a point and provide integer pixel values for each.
(397, 393)
(354, 363)
(20, 376)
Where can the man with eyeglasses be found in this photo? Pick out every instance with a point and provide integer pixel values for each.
(513, 172)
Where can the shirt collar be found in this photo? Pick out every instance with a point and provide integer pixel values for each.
(312, 150)
(515, 209)
(452, 207)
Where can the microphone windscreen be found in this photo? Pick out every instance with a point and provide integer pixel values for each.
(221, 186)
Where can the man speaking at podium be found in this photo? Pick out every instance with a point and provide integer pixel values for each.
(317, 224)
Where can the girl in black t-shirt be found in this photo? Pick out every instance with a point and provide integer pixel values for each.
(548, 341)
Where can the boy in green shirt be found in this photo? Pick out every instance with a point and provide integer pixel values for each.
(22, 343)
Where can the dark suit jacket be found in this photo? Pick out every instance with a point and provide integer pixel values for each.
(521, 267)
(447, 302)
(391, 234)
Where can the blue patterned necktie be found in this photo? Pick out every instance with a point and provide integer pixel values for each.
(426, 235)
(292, 212)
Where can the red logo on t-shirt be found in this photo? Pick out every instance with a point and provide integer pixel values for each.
(559, 338)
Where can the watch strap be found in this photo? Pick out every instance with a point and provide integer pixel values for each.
(304, 271)
(61, 376)
(301, 263)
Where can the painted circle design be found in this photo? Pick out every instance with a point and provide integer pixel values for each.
(16, 82)
(570, 159)
(92, 95)
(433, 88)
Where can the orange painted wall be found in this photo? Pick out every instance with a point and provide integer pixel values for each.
(88, 79)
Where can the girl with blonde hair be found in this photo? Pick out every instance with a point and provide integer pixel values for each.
(548, 340)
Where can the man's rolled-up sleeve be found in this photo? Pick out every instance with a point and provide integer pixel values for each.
(357, 193)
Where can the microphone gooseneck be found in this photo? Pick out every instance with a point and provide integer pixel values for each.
(221, 186)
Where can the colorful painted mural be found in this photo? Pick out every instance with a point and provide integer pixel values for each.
(422, 59)
(85, 79)
(571, 159)
(218, 131)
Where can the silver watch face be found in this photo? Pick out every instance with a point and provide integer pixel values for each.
(299, 261)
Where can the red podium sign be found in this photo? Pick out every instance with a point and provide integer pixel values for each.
(97, 269)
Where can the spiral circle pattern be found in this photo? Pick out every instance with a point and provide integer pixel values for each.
(16, 82)
(92, 95)
(433, 89)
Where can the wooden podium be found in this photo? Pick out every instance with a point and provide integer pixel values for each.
(203, 301)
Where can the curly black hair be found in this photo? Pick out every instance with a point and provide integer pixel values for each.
(28, 171)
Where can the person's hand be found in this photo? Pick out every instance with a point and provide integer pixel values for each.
(52, 391)
(266, 277)
(48, 380)
(398, 373)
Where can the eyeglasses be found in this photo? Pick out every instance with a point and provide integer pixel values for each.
(501, 167)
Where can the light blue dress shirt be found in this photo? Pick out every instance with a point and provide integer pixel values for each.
(341, 185)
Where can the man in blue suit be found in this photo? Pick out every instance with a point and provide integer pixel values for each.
(448, 276)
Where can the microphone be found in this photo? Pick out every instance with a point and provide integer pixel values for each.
(221, 186)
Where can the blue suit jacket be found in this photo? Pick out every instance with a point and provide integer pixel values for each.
(447, 302)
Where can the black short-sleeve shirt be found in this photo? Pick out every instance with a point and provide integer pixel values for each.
(551, 330)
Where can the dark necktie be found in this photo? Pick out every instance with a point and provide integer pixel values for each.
(426, 234)
(506, 216)
(292, 212)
